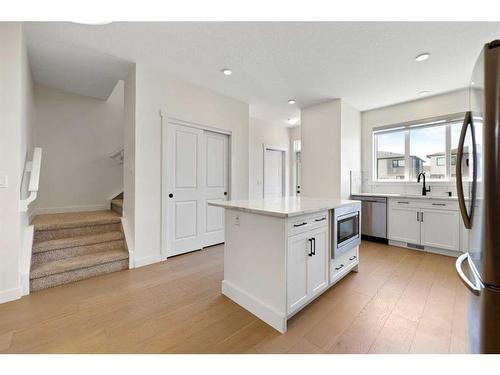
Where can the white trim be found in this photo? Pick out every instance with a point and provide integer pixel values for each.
(165, 122)
(59, 210)
(284, 151)
(10, 294)
(261, 310)
(427, 249)
(146, 261)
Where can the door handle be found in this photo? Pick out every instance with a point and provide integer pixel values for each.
(310, 247)
(466, 217)
(225, 193)
(458, 266)
(170, 195)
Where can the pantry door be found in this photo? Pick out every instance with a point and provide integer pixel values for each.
(197, 173)
(274, 172)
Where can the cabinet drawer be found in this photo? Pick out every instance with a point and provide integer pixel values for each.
(440, 205)
(305, 223)
(343, 262)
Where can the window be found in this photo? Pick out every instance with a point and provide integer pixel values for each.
(390, 155)
(403, 151)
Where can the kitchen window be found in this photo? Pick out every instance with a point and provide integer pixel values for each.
(402, 151)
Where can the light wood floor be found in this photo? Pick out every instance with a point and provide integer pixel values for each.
(401, 301)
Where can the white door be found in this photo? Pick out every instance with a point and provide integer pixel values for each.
(197, 171)
(296, 293)
(184, 209)
(404, 225)
(440, 229)
(215, 182)
(273, 173)
(317, 265)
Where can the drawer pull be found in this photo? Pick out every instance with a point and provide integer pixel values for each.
(439, 204)
(299, 225)
(322, 219)
(353, 257)
(399, 202)
(339, 267)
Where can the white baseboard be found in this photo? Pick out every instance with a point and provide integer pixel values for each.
(141, 262)
(255, 306)
(10, 295)
(60, 210)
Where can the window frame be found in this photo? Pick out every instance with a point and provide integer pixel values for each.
(446, 120)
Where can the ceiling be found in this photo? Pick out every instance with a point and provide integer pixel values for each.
(368, 64)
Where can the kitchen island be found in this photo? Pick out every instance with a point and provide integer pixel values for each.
(277, 253)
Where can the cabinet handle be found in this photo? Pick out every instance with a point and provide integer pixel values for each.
(353, 257)
(310, 247)
(403, 202)
(418, 216)
(314, 245)
(439, 204)
(299, 225)
(339, 267)
(322, 219)
(422, 217)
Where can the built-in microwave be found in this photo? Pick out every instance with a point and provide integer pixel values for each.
(346, 229)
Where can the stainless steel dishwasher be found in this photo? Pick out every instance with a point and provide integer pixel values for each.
(373, 217)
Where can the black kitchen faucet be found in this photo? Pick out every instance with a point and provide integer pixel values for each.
(424, 189)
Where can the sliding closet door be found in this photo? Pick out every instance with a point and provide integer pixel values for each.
(197, 171)
(215, 185)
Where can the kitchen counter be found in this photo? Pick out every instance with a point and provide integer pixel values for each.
(406, 196)
(283, 207)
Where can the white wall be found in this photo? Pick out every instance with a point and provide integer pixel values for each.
(263, 132)
(439, 105)
(320, 131)
(350, 147)
(157, 91)
(77, 134)
(16, 116)
(294, 135)
(129, 160)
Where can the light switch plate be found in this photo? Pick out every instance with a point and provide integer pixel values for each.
(4, 181)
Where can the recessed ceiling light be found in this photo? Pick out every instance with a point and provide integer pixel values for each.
(227, 71)
(93, 23)
(422, 56)
(291, 101)
(423, 93)
(293, 120)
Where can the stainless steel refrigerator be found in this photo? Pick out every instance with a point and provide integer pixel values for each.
(478, 171)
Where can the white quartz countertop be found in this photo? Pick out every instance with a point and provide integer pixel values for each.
(407, 196)
(284, 207)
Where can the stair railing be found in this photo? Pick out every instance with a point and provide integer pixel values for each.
(33, 167)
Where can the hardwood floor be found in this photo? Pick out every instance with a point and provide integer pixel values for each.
(401, 301)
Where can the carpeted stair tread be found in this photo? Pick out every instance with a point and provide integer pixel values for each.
(76, 263)
(75, 220)
(118, 202)
(68, 242)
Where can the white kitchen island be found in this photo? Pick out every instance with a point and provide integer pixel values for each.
(277, 254)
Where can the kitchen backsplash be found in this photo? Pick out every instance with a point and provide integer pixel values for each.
(361, 183)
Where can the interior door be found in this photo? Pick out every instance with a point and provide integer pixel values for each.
(215, 185)
(185, 216)
(273, 173)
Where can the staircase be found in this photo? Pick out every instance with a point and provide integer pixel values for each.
(117, 204)
(75, 246)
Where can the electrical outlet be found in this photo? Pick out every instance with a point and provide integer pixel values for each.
(4, 181)
(237, 221)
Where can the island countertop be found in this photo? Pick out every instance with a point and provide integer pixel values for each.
(284, 207)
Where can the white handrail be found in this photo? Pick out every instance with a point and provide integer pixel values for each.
(33, 167)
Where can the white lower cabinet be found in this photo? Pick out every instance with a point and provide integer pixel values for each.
(427, 223)
(440, 229)
(403, 224)
(307, 267)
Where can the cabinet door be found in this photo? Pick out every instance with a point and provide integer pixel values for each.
(317, 265)
(403, 224)
(440, 229)
(298, 248)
